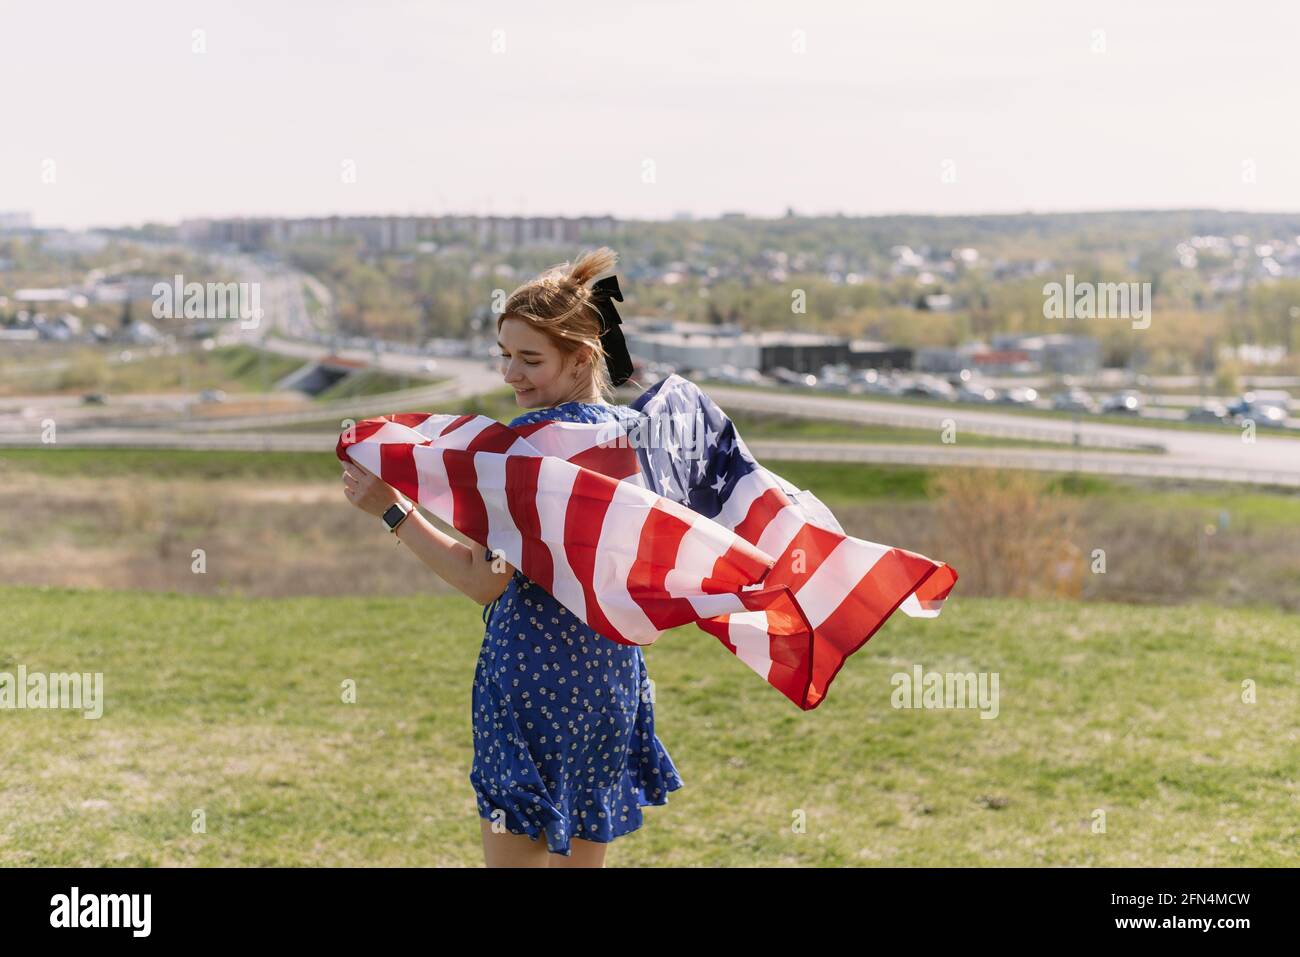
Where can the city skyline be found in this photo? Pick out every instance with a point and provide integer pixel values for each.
(644, 111)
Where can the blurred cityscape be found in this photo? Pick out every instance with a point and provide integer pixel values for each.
(954, 315)
(859, 353)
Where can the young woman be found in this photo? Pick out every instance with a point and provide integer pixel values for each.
(565, 751)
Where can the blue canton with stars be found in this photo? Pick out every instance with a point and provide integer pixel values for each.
(697, 458)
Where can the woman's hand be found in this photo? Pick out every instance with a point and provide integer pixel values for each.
(367, 491)
(464, 566)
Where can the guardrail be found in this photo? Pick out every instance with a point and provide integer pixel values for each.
(1037, 460)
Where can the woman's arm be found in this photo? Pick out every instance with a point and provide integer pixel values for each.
(463, 566)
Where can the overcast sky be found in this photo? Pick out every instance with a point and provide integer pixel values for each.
(643, 109)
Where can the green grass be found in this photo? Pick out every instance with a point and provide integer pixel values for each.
(232, 369)
(835, 483)
(233, 707)
(372, 382)
(251, 369)
(171, 463)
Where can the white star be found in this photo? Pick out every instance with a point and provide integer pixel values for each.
(670, 435)
(717, 486)
(710, 437)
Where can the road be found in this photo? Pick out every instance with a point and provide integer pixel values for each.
(475, 376)
(1270, 458)
(1096, 463)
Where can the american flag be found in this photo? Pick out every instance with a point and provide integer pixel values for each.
(657, 521)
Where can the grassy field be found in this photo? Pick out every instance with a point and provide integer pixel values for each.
(171, 463)
(834, 482)
(278, 525)
(233, 707)
(372, 382)
(231, 368)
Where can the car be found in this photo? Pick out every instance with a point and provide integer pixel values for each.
(429, 365)
(1214, 413)
(1267, 416)
(1127, 402)
(931, 388)
(875, 382)
(976, 393)
(1075, 400)
(1021, 395)
(1269, 397)
(212, 395)
(94, 398)
(730, 373)
(789, 377)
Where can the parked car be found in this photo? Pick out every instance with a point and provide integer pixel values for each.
(789, 377)
(978, 394)
(1021, 395)
(833, 379)
(1215, 413)
(1127, 402)
(94, 398)
(733, 374)
(875, 382)
(1074, 400)
(931, 388)
(1270, 397)
(212, 395)
(1267, 416)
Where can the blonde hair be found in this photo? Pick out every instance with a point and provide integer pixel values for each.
(559, 303)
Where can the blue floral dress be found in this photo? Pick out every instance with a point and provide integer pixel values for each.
(564, 732)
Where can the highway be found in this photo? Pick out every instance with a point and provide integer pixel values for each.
(1272, 458)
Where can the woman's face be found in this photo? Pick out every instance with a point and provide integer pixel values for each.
(534, 366)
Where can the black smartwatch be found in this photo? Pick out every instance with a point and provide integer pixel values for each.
(396, 515)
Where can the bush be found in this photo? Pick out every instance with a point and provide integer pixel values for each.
(1009, 533)
(85, 370)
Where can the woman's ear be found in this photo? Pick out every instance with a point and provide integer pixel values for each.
(581, 358)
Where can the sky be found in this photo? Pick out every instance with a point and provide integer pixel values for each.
(160, 110)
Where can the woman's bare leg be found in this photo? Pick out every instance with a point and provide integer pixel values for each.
(584, 854)
(512, 850)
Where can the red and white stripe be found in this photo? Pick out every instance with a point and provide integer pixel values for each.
(566, 504)
(626, 561)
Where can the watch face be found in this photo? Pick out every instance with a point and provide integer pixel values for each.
(393, 515)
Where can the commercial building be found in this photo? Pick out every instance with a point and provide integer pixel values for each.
(392, 233)
(702, 347)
